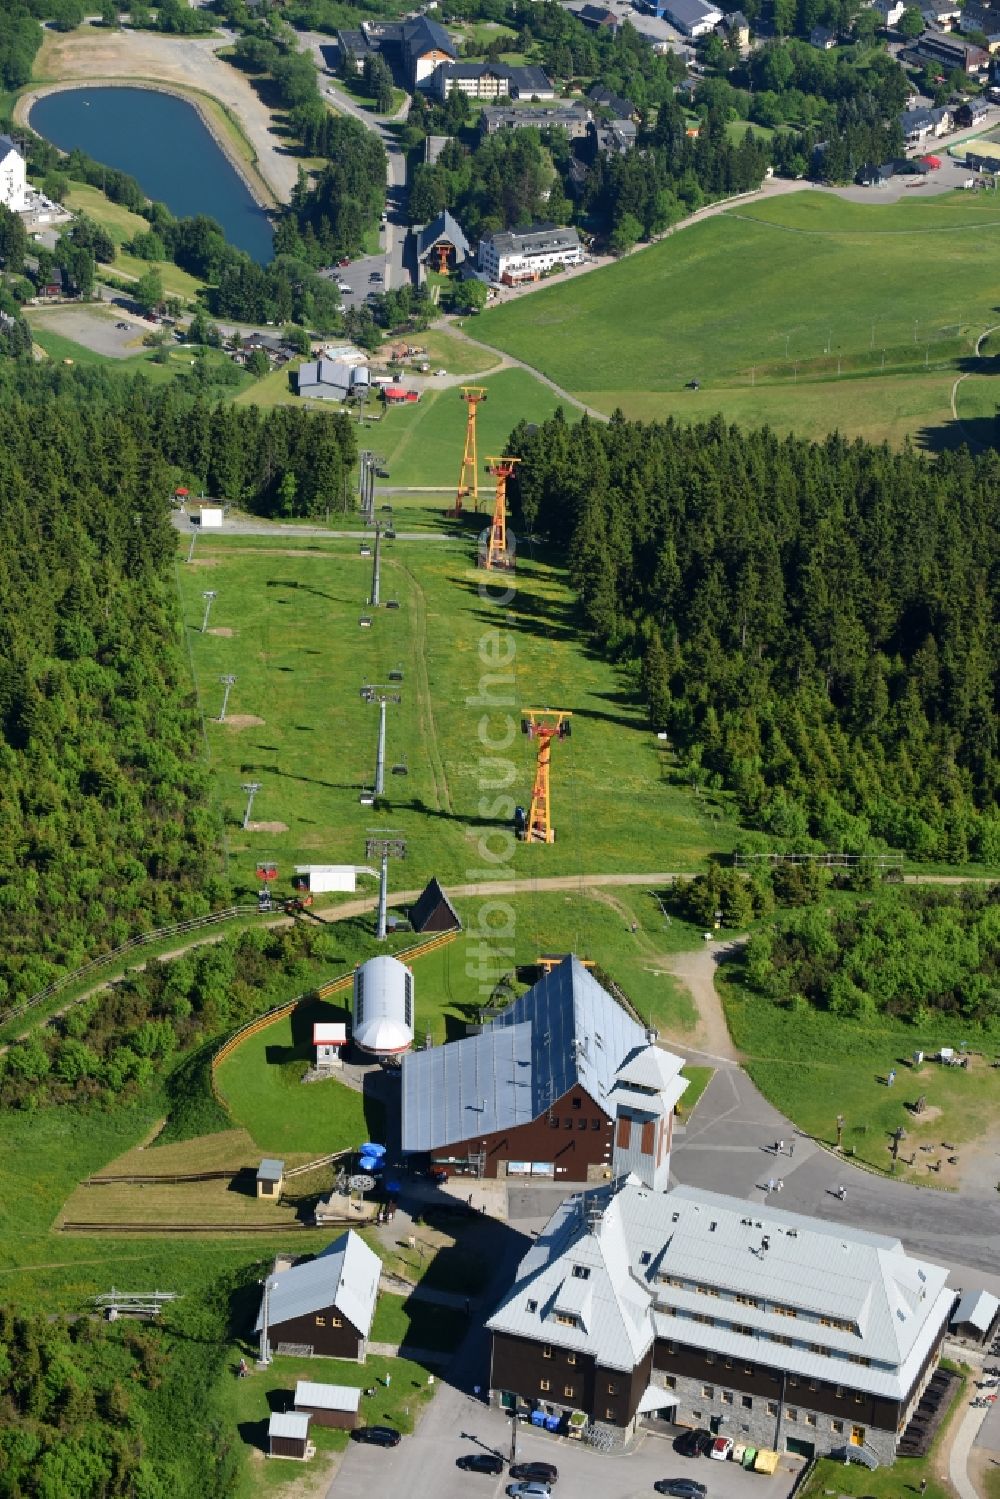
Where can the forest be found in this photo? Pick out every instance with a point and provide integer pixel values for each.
(104, 817)
(929, 953)
(814, 625)
(111, 1048)
(90, 1410)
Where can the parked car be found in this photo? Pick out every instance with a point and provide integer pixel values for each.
(681, 1488)
(375, 276)
(528, 1490)
(379, 1436)
(535, 1472)
(481, 1462)
(694, 1443)
(345, 261)
(123, 325)
(722, 1448)
(343, 286)
(440, 372)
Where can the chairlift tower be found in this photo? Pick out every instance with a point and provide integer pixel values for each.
(228, 682)
(468, 478)
(384, 846)
(376, 565)
(209, 595)
(543, 725)
(251, 788)
(496, 555)
(382, 696)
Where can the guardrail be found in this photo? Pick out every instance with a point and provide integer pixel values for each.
(142, 939)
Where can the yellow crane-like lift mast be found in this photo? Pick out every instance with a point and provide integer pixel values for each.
(468, 478)
(496, 554)
(543, 725)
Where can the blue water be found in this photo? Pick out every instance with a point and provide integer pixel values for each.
(161, 142)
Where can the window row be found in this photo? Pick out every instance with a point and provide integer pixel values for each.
(333, 1321)
(555, 1121)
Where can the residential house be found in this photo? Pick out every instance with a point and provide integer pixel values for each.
(486, 80)
(573, 118)
(598, 18)
(921, 124)
(823, 38)
(940, 14)
(325, 1305)
(356, 47)
(617, 105)
(735, 29)
(13, 181)
(562, 1083)
(779, 1331)
(614, 138)
(972, 112)
(692, 17)
(889, 11)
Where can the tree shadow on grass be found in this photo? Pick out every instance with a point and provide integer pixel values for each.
(978, 433)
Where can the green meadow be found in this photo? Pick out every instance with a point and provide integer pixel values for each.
(805, 311)
(285, 622)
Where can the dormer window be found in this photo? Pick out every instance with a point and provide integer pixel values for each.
(565, 1319)
(582, 1272)
(532, 1306)
(645, 1257)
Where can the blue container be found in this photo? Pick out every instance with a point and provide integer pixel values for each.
(553, 1423)
(370, 1149)
(538, 1418)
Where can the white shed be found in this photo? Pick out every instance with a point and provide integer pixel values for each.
(329, 1039)
(383, 1007)
(321, 877)
(208, 515)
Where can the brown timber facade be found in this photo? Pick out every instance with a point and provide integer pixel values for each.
(572, 1140)
(556, 1379)
(327, 1332)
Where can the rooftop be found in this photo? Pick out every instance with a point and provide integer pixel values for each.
(565, 1030)
(270, 1170)
(345, 1275)
(444, 227)
(776, 1286)
(327, 1397)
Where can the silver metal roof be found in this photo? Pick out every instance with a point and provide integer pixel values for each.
(977, 1307)
(289, 1424)
(270, 1170)
(327, 1397)
(345, 1275)
(733, 1249)
(565, 1030)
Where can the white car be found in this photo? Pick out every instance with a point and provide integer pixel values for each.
(529, 1491)
(722, 1448)
(440, 372)
(343, 286)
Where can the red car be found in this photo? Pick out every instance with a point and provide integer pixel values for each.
(346, 260)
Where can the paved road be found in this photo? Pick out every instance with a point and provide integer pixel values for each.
(396, 268)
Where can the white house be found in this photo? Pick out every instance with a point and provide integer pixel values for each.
(889, 12)
(523, 254)
(13, 182)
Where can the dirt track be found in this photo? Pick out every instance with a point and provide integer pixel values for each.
(92, 56)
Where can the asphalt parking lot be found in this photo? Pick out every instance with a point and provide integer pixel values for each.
(423, 1466)
(358, 276)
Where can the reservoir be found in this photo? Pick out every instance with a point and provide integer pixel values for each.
(160, 141)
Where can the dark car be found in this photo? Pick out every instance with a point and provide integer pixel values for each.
(380, 1436)
(481, 1462)
(681, 1488)
(696, 1443)
(535, 1472)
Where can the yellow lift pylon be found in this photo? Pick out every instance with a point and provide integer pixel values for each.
(543, 725)
(468, 479)
(496, 553)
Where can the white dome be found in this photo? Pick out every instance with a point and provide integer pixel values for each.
(383, 1007)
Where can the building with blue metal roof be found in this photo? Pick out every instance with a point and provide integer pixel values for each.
(550, 1088)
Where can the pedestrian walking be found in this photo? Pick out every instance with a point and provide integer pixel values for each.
(770, 1184)
(842, 1193)
(791, 1149)
(891, 1078)
(923, 1485)
(476, 1390)
(781, 1147)
(779, 1184)
(388, 1380)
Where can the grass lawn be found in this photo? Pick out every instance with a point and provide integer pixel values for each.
(298, 723)
(817, 274)
(273, 389)
(120, 222)
(261, 1085)
(446, 351)
(417, 1324)
(699, 1079)
(424, 443)
(814, 1066)
(247, 1405)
